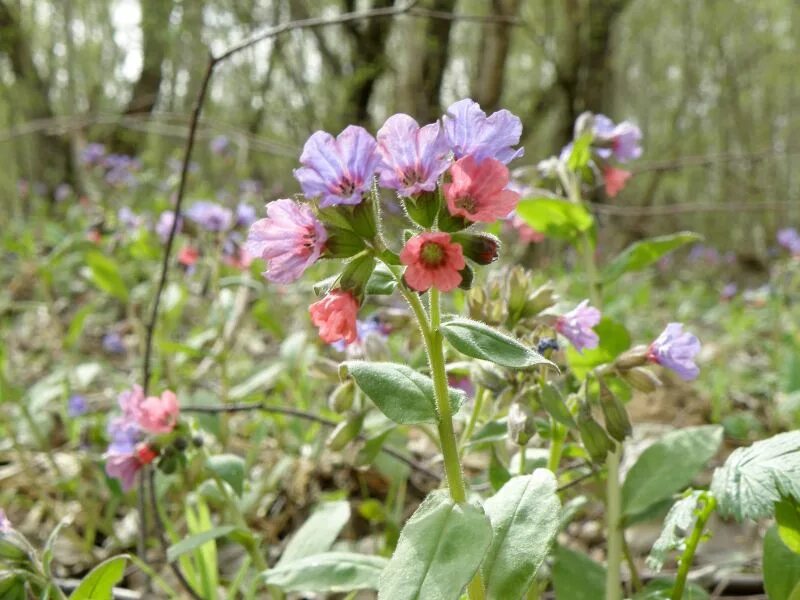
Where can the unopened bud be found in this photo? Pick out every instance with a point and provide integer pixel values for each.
(489, 376)
(345, 432)
(180, 444)
(593, 436)
(341, 398)
(584, 124)
(197, 441)
(618, 424)
(476, 301)
(635, 357)
(467, 277)
(642, 379)
(541, 299)
(521, 424)
(146, 454)
(481, 248)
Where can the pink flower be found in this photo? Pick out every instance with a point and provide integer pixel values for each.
(129, 401)
(335, 316)
(478, 192)
(290, 239)
(615, 180)
(525, 232)
(188, 256)
(123, 467)
(158, 414)
(577, 324)
(432, 260)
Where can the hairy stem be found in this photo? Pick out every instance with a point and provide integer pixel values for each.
(691, 546)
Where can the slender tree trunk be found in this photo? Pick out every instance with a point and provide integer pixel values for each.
(487, 85)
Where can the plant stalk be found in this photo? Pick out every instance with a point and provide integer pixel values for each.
(691, 546)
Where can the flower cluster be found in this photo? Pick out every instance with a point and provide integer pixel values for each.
(128, 451)
(447, 176)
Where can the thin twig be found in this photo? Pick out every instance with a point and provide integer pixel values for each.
(308, 416)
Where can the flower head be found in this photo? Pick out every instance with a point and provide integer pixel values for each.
(413, 157)
(478, 190)
(129, 219)
(245, 215)
(471, 133)
(164, 225)
(188, 255)
(290, 239)
(789, 239)
(219, 144)
(335, 316)
(432, 260)
(676, 350)
(77, 406)
(93, 154)
(113, 344)
(124, 434)
(158, 414)
(577, 326)
(210, 216)
(615, 180)
(338, 170)
(623, 139)
(125, 465)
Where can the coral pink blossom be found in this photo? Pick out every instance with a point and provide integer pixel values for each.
(158, 414)
(335, 316)
(188, 256)
(525, 232)
(615, 180)
(123, 467)
(433, 260)
(478, 192)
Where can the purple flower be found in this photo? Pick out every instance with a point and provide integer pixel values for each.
(123, 466)
(413, 157)
(93, 154)
(339, 170)
(250, 187)
(471, 132)
(290, 239)
(124, 434)
(676, 349)
(463, 383)
(210, 216)
(62, 192)
(577, 324)
(219, 144)
(789, 239)
(120, 170)
(77, 406)
(129, 219)
(245, 215)
(164, 225)
(729, 291)
(113, 344)
(5, 524)
(363, 330)
(624, 139)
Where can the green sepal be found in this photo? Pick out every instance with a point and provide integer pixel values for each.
(422, 210)
(356, 274)
(342, 243)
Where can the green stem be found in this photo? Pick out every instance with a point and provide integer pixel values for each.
(556, 444)
(480, 395)
(613, 529)
(636, 581)
(691, 546)
(522, 459)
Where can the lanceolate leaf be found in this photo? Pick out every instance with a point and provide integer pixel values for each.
(478, 340)
(327, 573)
(401, 393)
(440, 549)
(524, 516)
(668, 466)
(753, 479)
(318, 533)
(99, 583)
(644, 253)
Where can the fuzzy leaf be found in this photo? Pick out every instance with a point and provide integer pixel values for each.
(318, 533)
(677, 525)
(753, 479)
(230, 468)
(327, 573)
(668, 466)
(402, 394)
(478, 340)
(524, 516)
(439, 550)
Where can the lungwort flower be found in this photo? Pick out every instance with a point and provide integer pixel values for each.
(478, 191)
(471, 133)
(210, 216)
(290, 239)
(623, 141)
(615, 180)
(676, 349)
(413, 157)
(432, 260)
(338, 170)
(164, 225)
(577, 326)
(335, 316)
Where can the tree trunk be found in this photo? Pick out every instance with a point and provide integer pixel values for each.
(487, 85)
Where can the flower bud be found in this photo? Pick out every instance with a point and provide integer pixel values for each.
(521, 424)
(617, 423)
(517, 288)
(489, 376)
(481, 248)
(541, 299)
(345, 432)
(476, 301)
(593, 436)
(642, 379)
(635, 357)
(180, 444)
(341, 399)
(584, 124)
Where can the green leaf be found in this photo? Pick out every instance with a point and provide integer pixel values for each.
(402, 394)
(753, 479)
(327, 573)
(229, 468)
(382, 281)
(614, 340)
(478, 340)
(104, 273)
(554, 217)
(781, 568)
(498, 473)
(439, 550)
(644, 253)
(677, 526)
(197, 540)
(524, 517)
(553, 402)
(581, 152)
(318, 533)
(787, 515)
(99, 583)
(260, 382)
(577, 577)
(668, 466)
(661, 589)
